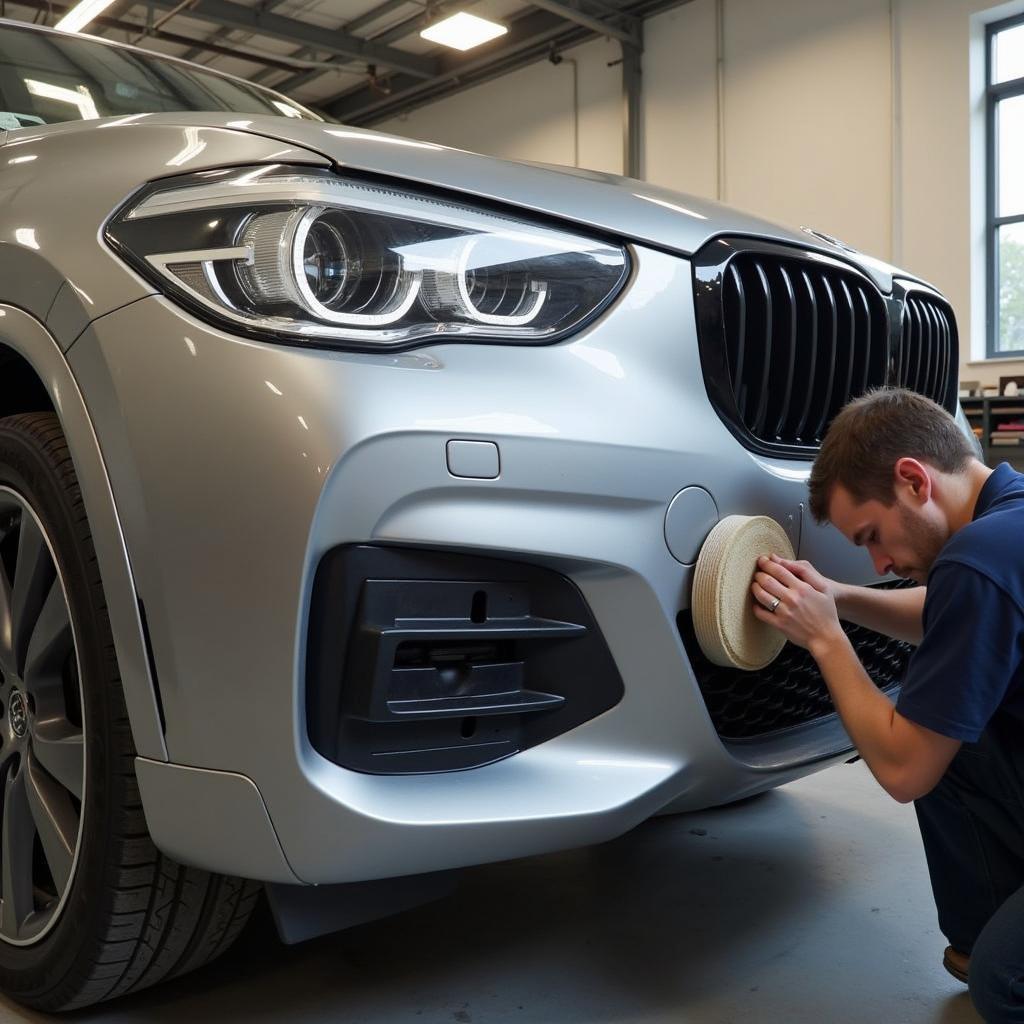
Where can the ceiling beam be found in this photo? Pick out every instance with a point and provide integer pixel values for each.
(382, 10)
(121, 25)
(536, 28)
(406, 27)
(530, 38)
(599, 25)
(221, 33)
(336, 41)
(411, 25)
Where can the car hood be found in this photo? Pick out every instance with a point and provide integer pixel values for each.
(625, 207)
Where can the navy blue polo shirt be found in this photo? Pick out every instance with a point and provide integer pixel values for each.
(970, 663)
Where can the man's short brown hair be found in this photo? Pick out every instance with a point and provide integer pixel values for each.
(871, 434)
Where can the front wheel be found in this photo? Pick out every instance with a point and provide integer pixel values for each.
(89, 908)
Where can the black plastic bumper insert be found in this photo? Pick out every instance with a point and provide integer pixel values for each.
(424, 661)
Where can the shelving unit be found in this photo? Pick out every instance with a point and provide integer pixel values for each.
(987, 413)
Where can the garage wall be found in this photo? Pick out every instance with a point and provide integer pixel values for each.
(852, 116)
(530, 114)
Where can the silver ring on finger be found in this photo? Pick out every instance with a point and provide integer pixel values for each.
(775, 604)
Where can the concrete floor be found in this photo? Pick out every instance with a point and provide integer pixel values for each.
(808, 904)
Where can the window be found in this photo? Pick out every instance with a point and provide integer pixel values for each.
(48, 76)
(1005, 108)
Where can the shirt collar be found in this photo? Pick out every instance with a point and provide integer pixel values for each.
(998, 480)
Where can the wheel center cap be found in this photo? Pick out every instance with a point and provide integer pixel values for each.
(18, 711)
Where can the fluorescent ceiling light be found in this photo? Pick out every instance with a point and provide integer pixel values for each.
(80, 97)
(81, 14)
(463, 31)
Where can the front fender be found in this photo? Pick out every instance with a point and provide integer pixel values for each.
(30, 339)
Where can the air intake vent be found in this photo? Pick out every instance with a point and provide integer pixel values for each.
(436, 661)
(788, 337)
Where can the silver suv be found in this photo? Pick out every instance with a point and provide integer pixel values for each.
(350, 494)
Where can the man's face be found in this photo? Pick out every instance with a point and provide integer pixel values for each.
(904, 538)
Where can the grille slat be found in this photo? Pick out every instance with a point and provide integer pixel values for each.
(926, 344)
(784, 405)
(947, 347)
(913, 354)
(933, 348)
(831, 334)
(935, 381)
(896, 350)
(905, 354)
(788, 338)
(740, 344)
(851, 341)
(923, 327)
(812, 352)
(766, 357)
(915, 348)
(866, 335)
(944, 347)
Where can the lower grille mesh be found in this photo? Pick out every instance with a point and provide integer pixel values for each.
(790, 691)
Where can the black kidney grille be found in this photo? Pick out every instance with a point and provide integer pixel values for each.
(801, 341)
(788, 336)
(790, 691)
(927, 347)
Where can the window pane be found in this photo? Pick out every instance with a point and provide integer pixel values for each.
(1011, 288)
(1010, 140)
(1009, 56)
(49, 77)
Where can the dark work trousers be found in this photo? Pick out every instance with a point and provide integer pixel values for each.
(972, 825)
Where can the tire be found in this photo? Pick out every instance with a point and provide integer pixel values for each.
(89, 908)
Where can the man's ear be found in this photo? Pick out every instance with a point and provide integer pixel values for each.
(913, 478)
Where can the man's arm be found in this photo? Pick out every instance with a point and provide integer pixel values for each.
(895, 613)
(907, 759)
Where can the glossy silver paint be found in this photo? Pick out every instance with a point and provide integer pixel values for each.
(25, 335)
(234, 465)
(52, 260)
(246, 462)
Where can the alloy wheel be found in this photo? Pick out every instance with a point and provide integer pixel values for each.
(42, 740)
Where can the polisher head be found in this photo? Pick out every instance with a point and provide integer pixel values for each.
(723, 613)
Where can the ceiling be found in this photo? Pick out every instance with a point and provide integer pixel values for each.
(356, 61)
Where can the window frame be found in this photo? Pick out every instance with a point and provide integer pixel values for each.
(994, 94)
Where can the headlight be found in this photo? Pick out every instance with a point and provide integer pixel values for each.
(304, 255)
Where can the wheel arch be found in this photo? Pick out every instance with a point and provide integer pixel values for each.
(35, 376)
(21, 388)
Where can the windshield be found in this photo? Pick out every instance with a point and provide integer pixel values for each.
(51, 76)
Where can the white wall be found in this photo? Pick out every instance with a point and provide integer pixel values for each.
(853, 116)
(529, 114)
(680, 105)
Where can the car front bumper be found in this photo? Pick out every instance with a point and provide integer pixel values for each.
(236, 466)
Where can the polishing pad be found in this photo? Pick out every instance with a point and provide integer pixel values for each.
(722, 604)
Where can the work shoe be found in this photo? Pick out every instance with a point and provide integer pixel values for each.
(956, 963)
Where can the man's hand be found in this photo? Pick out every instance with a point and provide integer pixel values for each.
(906, 758)
(806, 612)
(803, 570)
